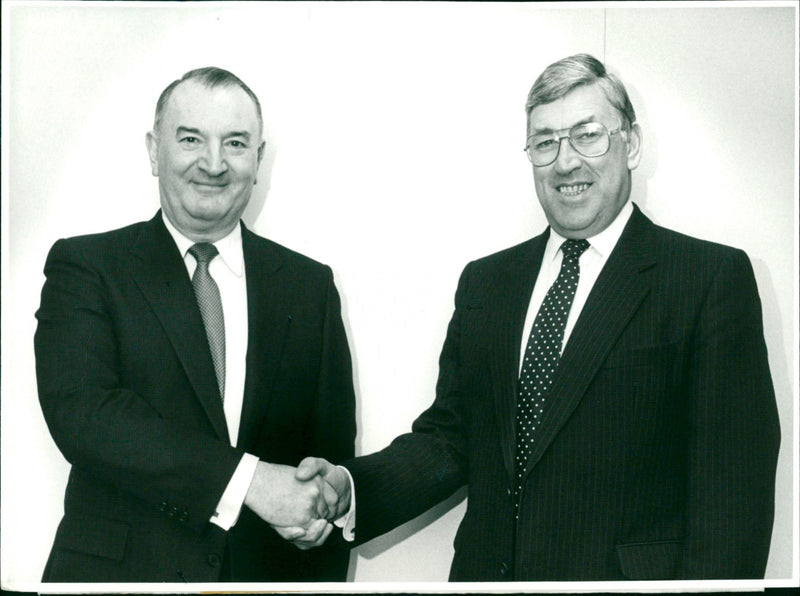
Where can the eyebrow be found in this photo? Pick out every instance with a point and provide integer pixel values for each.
(187, 129)
(196, 131)
(540, 131)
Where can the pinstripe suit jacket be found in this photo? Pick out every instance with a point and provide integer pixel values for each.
(127, 387)
(656, 455)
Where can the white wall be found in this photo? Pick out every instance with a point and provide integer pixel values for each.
(396, 135)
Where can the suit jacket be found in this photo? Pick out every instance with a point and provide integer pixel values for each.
(656, 455)
(128, 390)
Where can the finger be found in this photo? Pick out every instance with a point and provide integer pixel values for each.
(307, 543)
(312, 534)
(331, 499)
(290, 533)
(339, 479)
(325, 534)
(310, 467)
(314, 531)
(316, 503)
(323, 512)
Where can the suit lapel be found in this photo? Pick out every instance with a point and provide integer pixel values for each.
(269, 316)
(513, 294)
(615, 297)
(160, 273)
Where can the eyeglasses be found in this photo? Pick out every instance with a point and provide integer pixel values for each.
(591, 139)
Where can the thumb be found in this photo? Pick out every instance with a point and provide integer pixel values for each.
(310, 467)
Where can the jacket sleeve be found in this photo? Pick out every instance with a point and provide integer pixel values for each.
(332, 429)
(734, 432)
(103, 428)
(421, 468)
(333, 426)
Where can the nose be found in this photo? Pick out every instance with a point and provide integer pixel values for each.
(567, 159)
(212, 162)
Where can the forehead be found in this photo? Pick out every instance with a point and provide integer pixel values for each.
(584, 103)
(194, 105)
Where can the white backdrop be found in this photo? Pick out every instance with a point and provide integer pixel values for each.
(395, 136)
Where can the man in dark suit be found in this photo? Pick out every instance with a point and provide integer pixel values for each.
(603, 390)
(185, 363)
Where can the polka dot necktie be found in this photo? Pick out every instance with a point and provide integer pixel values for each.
(542, 354)
(208, 299)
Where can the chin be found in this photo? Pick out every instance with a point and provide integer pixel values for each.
(208, 209)
(574, 228)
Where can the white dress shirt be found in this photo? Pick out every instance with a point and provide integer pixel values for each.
(229, 274)
(591, 263)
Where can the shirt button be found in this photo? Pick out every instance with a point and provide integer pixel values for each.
(214, 560)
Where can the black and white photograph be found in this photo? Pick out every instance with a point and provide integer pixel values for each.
(399, 296)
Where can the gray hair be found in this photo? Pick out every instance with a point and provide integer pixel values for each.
(211, 77)
(561, 77)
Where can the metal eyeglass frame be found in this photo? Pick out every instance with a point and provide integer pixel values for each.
(559, 136)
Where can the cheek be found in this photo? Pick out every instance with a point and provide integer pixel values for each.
(615, 179)
(175, 172)
(241, 170)
(540, 181)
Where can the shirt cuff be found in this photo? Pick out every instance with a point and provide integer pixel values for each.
(230, 505)
(348, 521)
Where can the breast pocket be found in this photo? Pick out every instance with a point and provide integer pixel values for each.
(660, 355)
(646, 386)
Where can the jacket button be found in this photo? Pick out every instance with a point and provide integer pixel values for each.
(184, 516)
(503, 569)
(214, 560)
(163, 507)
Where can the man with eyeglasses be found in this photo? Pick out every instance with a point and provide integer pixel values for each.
(604, 390)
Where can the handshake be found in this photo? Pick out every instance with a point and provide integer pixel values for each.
(300, 503)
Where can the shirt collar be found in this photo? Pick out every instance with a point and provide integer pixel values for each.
(229, 247)
(602, 243)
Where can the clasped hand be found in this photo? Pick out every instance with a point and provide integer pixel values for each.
(300, 503)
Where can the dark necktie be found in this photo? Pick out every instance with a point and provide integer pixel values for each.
(542, 354)
(208, 299)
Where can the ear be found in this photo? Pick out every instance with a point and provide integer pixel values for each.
(151, 140)
(261, 151)
(634, 146)
(259, 157)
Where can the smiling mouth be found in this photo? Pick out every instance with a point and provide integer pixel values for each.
(572, 190)
(209, 186)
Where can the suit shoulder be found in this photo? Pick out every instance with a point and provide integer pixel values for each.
(680, 245)
(507, 256)
(286, 255)
(106, 243)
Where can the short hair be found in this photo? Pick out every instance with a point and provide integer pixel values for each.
(561, 77)
(211, 77)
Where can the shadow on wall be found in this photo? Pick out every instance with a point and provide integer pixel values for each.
(780, 555)
(648, 165)
(381, 544)
(263, 179)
